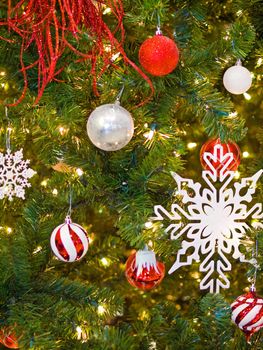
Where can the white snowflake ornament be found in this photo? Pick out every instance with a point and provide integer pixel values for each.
(14, 174)
(215, 221)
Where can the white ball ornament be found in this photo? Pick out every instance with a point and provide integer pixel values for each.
(69, 241)
(237, 79)
(110, 127)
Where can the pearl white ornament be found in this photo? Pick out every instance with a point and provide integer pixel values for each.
(110, 127)
(237, 79)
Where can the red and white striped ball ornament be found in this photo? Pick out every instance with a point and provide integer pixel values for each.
(69, 241)
(247, 313)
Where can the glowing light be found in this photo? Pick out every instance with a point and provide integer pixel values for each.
(79, 172)
(105, 262)
(44, 183)
(37, 250)
(107, 10)
(148, 224)
(62, 130)
(245, 154)
(79, 332)
(259, 62)
(9, 230)
(101, 310)
(191, 145)
(149, 134)
(247, 96)
(237, 175)
(115, 56)
(55, 192)
(233, 114)
(2, 73)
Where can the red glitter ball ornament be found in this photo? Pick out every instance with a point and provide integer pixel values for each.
(143, 270)
(219, 157)
(159, 55)
(8, 338)
(69, 241)
(247, 313)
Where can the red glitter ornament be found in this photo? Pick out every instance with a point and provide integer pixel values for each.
(8, 338)
(247, 313)
(69, 241)
(143, 271)
(219, 160)
(159, 55)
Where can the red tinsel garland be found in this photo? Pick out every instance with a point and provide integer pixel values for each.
(49, 24)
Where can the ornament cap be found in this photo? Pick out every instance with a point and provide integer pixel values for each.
(145, 259)
(68, 220)
(239, 62)
(158, 31)
(253, 288)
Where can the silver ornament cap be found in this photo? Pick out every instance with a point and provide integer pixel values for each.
(110, 127)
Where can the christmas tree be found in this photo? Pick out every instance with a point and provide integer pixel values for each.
(47, 303)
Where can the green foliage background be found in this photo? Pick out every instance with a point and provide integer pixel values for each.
(46, 300)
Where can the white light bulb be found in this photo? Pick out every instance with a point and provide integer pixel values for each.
(237, 79)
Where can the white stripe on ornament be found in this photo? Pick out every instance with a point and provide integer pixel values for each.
(250, 316)
(236, 312)
(67, 242)
(234, 304)
(82, 236)
(250, 300)
(258, 323)
(53, 242)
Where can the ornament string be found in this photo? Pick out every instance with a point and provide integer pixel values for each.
(8, 130)
(118, 98)
(158, 31)
(255, 264)
(70, 202)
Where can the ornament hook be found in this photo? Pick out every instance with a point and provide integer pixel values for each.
(119, 95)
(158, 31)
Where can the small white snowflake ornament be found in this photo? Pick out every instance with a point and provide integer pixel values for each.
(14, 174)
(215, 221)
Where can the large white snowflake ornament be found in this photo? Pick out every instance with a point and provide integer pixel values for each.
(14, 174)
(215, 222)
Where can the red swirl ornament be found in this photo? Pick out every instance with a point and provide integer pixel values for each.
(220, 160)
(69, 241)
(247, 313)
(143, 271)
(52, 26)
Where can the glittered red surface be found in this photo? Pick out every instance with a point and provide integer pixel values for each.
(159, 55)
